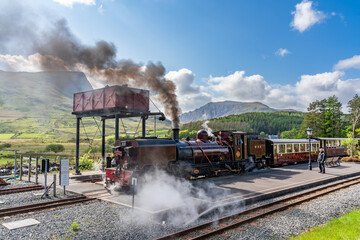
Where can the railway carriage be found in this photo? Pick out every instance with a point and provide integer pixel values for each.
(293, 150)
(334, 150)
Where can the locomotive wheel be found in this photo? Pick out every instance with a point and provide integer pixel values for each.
(259, 165)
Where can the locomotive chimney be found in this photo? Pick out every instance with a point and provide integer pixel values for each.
(176, 134)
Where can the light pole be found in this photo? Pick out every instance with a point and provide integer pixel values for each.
(309, 133)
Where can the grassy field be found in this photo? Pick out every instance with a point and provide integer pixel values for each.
(36, 148)
(345, 227)
(6, 136)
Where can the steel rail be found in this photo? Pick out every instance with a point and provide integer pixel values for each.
(21, 189)
(42, 206)
(254, 213)
(92, 180)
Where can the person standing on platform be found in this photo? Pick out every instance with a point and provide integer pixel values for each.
(321, 160)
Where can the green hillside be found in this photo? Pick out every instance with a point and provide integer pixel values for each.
(39, 106)
(255, 122)
(222, 109)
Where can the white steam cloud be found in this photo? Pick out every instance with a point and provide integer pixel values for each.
(160, 191)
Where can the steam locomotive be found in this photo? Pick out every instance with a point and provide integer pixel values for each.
(223, 152)
(227, 151)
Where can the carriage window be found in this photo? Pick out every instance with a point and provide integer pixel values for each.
(302, 147)
(313, 147)
(282, 148)
(275, 149)
(289, 148)
(296, 148)
(307, 147)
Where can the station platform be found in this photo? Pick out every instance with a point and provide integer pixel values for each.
(240, 189)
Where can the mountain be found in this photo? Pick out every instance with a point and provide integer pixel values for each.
(39, 106)
(222, 109)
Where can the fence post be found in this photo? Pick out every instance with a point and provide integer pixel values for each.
(21, 167)
(29, 172)
(54, 185)
(15, 166)
(37, 171)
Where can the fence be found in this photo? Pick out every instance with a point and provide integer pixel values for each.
(29, 166)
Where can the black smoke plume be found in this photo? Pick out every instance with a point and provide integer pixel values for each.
(60, 50)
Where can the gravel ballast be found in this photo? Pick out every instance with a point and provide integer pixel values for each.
(296, 220)
(105, 220)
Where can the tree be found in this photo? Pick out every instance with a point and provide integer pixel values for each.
(354, 108)
(294, 134)
(55, 148)
(264, 135)
(324, 117)
(350, 142)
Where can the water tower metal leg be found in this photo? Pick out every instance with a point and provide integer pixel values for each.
(77, 171)
(116, 127)
(143, 126)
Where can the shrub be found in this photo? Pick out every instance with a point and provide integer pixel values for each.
(55, 148)
(6, 145)
(85, 162)
(75, 227)
(111, 141)
(350, 159)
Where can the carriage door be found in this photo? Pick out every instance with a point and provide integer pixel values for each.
(238, 147)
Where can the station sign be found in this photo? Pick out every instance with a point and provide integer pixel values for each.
(64, 171)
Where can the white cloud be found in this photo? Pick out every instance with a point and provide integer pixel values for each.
(190, 96)
(69, 3)
(184, 79)
(282, 52)
(236, 86)
(319, 86)
(297, 96)
(305, 16)
(240, 87)
(18, 63)
(353, 62)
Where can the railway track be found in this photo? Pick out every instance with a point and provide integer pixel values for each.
(220, 225)
(21, 189)
(42, 206)
(92, 180)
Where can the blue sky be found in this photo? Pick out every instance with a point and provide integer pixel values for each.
(284, 53)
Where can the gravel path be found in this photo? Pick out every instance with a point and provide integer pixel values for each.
(25, 198)
(104, 220)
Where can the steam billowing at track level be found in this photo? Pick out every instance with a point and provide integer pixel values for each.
(178, 201)
(58, 49)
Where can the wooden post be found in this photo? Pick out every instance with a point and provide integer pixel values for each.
(36, 171)
(77, 171)
(29, 173)
(21, 167)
